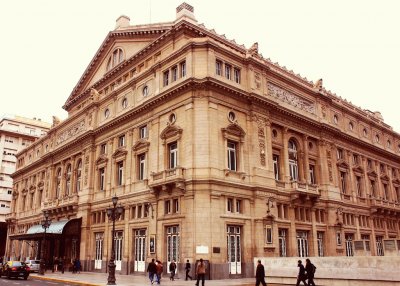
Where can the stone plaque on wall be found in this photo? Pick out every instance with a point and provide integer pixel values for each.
(389, 244)
(359, 245)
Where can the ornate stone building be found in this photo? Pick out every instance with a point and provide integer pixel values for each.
(214, 152)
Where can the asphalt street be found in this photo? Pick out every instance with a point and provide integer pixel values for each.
(30, 282)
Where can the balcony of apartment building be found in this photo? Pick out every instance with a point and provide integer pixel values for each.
(382, 206)
(167, 179)
(63, 204)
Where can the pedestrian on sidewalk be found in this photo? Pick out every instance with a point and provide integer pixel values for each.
(55, 265)
(260, 274)
(201, 272)
(301, 277)
(172, 269)
(159, 270)
(152, 269)
(61, 264)
(187, 268)
(310, 269)
(77, 265)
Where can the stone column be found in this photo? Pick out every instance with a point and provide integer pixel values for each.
(110, 176)
(314, 249)
(286, 155)
(268, 148)
(292, 240)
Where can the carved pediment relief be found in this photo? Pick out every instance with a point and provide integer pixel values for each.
(140, 145)
(234, 130)
(101, 160)
(120, 152)
(171, 131)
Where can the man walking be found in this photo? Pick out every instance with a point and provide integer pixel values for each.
(172, 269)
(301, 277)
(152, 269)
(187, 268)
(310, 269)
(260, 274)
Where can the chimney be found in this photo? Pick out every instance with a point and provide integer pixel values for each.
(185, 12)
(122, 22)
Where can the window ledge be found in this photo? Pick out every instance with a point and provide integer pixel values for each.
(235, 174)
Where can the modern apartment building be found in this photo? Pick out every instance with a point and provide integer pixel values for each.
(16, 133)
(213, 151)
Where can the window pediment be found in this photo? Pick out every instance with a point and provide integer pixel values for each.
(120, 152)
(342, 164)
(141, 145)
(358, 169)
(233, 130)
(171, 131)
(101, 160)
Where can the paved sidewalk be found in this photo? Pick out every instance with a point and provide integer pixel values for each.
(97, 279)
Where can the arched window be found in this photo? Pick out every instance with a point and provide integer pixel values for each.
(293, 164)
(78, 176)
(68, 180)
(115, 59)
(58, 183)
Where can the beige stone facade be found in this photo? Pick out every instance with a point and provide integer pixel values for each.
(214, 152)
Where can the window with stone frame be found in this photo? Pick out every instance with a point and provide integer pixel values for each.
(293, 160)
(102, 179)
(234, 138)
(232, 155)
(120, 173)
(68, 178)
(141, 166)
(121, 141)
(172, 155)
(276, 164)
(78, 181)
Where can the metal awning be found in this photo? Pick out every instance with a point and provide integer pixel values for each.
(36, 232)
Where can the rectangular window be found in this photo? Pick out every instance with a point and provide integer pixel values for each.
(359, 186)
(236, 75)
(166, 78)
(121, 141)
(120, 170)
(355, 159)
(320, 243)
(103, 148)
(385, 191)
(282, 242)
(339, 154)
(139, 211)
(239, 206)
(102, 179)
(373, 189)
(176, 206)
(232, 165)
(142, 165)
(229, 205)
(174, 73)
(228, 71)
(343, 182)
(183, 69)
(268, 234)
(218, 67)
(173, 155)
(167, 207)
(143, 132)
(338, 238)
(275, 159)
(312, 174)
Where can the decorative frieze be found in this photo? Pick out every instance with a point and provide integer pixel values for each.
(71, 132)
(291, 98)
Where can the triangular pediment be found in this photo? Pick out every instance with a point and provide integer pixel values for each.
(342, 164)
(141, 144)
(133, 42)
(358, 169)
(120, 152)
(101, 160)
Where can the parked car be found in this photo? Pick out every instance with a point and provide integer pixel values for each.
(15, 269)
(34, 265)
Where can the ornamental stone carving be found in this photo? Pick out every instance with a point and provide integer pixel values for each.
(71, 132)
(290, 98)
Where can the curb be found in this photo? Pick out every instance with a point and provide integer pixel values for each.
(65, 280)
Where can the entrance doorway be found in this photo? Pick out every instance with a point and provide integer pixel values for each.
(234, 249)
(140, 250)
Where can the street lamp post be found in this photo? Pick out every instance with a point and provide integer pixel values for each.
(113, 214)
(45, 224)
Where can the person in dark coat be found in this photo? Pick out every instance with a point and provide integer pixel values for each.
(187, 268)
(61, 264)
(310, 269)
(172, 269)
(260, 274)
(152, 269)
(301, 277)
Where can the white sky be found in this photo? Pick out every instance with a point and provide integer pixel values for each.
(353, 45)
